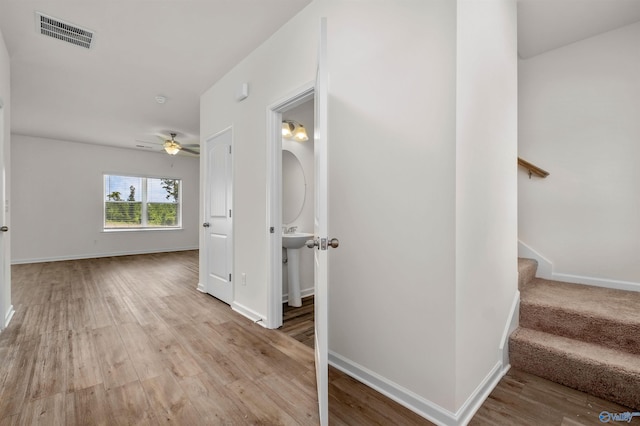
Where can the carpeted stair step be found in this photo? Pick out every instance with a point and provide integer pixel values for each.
(601, 371)
(526, 271)
(604, 316)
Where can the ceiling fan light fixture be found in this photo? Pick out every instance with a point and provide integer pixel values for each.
(171, 147)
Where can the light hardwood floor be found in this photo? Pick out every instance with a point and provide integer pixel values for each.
(129, 340)
(519, 399)
(298, 322)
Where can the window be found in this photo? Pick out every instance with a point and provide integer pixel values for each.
(132, 202)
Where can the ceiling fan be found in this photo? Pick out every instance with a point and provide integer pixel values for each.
(172, 147)
(167, 140)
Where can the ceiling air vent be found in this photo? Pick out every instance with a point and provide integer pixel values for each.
(54, 27)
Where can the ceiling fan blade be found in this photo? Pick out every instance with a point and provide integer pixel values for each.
(146, 142)
(190, 151)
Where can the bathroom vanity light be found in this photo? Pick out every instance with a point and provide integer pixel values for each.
(294, 130)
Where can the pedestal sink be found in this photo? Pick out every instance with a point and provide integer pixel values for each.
(293, 243)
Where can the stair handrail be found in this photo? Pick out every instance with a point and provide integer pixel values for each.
(533, 169)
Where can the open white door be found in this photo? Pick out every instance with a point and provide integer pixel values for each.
(6, 310)
(321, 243)
(218, 217)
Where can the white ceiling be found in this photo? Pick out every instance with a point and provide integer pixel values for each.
(143, 48)
(544, 25)
(178, 49)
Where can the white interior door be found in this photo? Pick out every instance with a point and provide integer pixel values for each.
(5, 280)
(218, 225)
(320, 228)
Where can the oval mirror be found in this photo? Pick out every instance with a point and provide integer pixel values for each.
(294, 187)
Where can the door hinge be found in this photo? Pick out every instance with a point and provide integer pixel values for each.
(229, 212)
(272, 230)
(229, 277)
(229, 149)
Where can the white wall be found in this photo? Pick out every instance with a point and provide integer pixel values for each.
(579, 107)
(6, 309)
(58, 200)
(486, 186)
(392, 192)
(391, 280)
(304, 152)
(394, 282)
(269, 79)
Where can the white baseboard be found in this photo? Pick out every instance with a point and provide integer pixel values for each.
(512, 323)
(545, 267)
(480, 394)
(303, 293)
(97, 255)
(425, 408)
(545, 270)
(405, 397)
(248, 313)
(201, 288)
(8, 316)
(598, 282)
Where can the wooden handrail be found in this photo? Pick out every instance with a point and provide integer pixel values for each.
(532, 168)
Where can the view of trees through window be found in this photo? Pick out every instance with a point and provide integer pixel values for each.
(141, 202)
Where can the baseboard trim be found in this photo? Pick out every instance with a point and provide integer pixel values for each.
(8, 316)
(512, 323)
(97, 255)
(545, 270)
(201, 288)
(480, 394)
(598, 282)
(402, 396)
(545, 267)
(248, 313)
(423, 407)
(303, 293)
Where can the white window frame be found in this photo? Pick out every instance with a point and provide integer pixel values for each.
(144, 226)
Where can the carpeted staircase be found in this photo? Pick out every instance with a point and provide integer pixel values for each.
(584, 337)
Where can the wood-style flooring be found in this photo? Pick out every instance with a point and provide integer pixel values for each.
(524, 399)
(519, 399)
(298, 322)
(129, 340)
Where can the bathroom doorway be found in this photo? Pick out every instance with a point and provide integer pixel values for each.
(297, 202)
(297, 195)
(297, 322)
(297, 219)
(292, 200)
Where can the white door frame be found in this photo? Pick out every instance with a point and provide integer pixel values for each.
(274, 197)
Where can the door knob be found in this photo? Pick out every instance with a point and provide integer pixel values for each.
(4, 228)
(206, 224)
(322, 243)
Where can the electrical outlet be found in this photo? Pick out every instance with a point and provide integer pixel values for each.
(244, 278)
